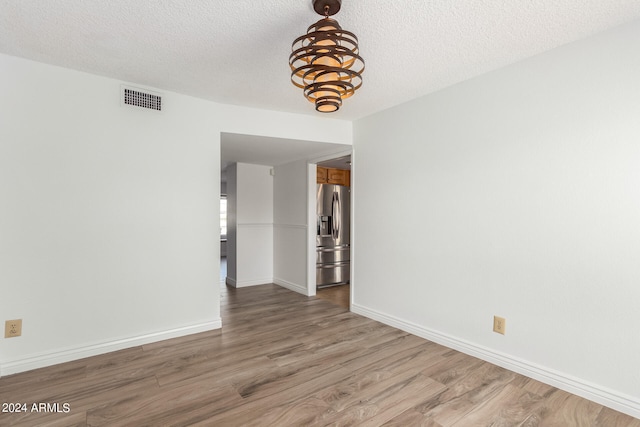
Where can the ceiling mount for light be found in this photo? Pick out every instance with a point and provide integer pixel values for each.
(320, 6)
(326, 62)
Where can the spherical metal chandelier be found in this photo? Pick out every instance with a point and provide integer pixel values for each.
(326, 63)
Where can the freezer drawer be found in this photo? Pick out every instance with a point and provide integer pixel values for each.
(332, 255)
(332, 274)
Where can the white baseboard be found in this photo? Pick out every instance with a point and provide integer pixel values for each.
(610, 398)
(69, 354)
(295, 287)
(246, 283)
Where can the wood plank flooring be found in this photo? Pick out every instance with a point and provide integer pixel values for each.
(284, 359)
(338, 295)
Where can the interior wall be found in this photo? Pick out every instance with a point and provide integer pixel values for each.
(290, 226)
(252, 196)
(514, 194)
(109, 227)
(232, 220)
(104, 212)
(223, 192)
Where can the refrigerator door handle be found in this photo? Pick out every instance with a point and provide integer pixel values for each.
(335, 208)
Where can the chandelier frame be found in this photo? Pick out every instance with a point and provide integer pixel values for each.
(325, 62)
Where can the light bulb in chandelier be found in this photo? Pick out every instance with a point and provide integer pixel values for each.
(325, 62)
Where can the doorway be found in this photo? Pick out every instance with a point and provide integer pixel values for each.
(292, 253)
(332, 239)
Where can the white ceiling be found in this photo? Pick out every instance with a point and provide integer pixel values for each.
(236, 51)
(236, 148)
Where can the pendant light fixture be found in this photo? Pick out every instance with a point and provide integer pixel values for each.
(326, 63)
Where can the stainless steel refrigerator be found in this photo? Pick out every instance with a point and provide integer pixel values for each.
(333, 251)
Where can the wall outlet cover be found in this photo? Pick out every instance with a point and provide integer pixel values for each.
(499, 324)
(13, 328)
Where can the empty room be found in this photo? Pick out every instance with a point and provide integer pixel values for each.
(476, 263)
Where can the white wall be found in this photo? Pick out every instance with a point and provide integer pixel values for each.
(252, 239)
(109, 215)
(104, 209)
(290, 226)
(223, 191)
(514, 194)
(232, 219)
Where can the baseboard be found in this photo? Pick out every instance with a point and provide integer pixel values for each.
(246, 283)
(295, 287)
(69, 354)
(610, 398)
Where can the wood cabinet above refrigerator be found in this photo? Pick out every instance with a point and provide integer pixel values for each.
(333, 176)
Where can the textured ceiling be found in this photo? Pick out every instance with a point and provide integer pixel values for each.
(236, 51)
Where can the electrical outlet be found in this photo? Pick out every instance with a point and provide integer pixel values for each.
(13, 328)
(499, 324)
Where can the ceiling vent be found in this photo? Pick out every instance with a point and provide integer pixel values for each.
(141, 98)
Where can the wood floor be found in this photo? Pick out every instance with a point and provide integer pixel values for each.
(284, 359)
(338, 295)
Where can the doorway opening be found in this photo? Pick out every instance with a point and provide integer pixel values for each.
(274, 243)
(333, 230)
